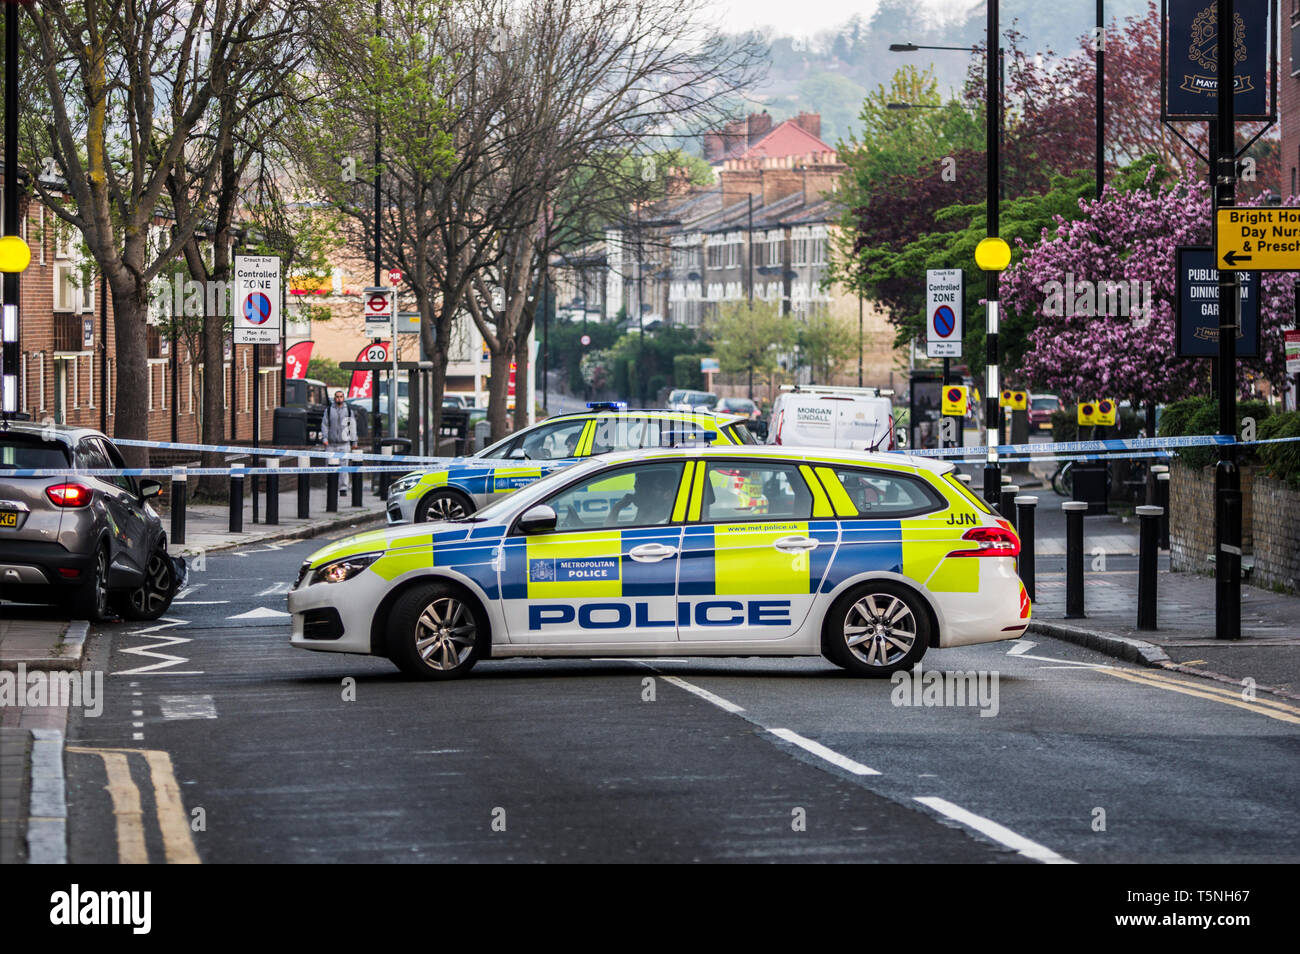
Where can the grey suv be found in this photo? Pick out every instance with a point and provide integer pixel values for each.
(93, 544)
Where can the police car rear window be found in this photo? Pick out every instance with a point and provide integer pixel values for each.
(952, 481)
(886, 495)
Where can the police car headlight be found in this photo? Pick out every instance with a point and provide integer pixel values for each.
(344, 569)
(403, 484)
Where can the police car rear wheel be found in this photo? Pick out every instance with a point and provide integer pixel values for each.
(442, 505)
(876, 629)
(433, 633)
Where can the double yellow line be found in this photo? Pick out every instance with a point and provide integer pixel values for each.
(1230, 697)
(178, 844)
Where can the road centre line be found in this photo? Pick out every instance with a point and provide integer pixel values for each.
(991, 829)
(704, 694)
(822, 752)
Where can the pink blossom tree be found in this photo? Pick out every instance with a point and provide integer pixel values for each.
(1087, 344)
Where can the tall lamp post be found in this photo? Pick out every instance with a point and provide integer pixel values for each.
(992, 255)
(14, 253)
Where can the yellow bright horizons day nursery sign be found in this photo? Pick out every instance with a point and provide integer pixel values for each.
(1258, 240)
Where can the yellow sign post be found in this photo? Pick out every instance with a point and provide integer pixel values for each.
(1258, 240)
(1016, 400)
(1087, 413)
(954, 401)
(1105, 415)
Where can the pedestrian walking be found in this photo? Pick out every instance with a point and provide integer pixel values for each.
(339, 432)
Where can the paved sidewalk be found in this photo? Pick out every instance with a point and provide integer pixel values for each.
(1268, 652)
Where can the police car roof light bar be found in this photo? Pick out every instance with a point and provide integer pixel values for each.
(607, 405)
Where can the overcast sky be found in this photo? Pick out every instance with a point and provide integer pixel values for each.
(807, 17)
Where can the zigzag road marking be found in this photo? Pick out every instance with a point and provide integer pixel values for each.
(166, 660)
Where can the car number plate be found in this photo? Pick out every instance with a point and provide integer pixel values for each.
(1044, 427)
(8, 518)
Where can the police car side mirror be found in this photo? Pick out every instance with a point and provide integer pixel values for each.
(900, 437)
(539, 519)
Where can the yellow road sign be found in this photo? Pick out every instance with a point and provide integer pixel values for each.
(1258, 240)
(1016, 400)
(954, 401)
(1087, 412)
(1105, 415)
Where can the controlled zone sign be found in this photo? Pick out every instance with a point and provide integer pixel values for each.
(1258, 240)
(945, 294)
(256, 299)
(955, 400)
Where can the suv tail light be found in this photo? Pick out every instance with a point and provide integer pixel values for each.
(992, 542)
(68, 495)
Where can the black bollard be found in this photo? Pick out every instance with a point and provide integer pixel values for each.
(385, 476)
(1025, 529)
(1149, 534)
(1008, 505)
(304, 490)
(1074, 511)
(357, 479)
(1152, 488)
(1162, 501)
(332, 486)
(236, 499)
(179, 491)
(273, 493)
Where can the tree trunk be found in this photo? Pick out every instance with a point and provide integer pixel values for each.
(522, 370)
(130, 402)
(497, 387)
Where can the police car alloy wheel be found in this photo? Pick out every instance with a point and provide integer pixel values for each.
(442, 505)
(434, 632)
(876, 629)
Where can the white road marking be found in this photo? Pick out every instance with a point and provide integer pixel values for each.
(262, 612)
(704, 694)
(1020, 648)
(199, 602)
(822, 752)
(187, 707)
(1067, 663)
(167, 660)
(276, 589)
(137, 736)
(991, 829)
(137, 713)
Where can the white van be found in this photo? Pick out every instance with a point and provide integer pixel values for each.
(849, 418)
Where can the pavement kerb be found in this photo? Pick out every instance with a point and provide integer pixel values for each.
(66, 653)
(316, 528)
(1109, 644)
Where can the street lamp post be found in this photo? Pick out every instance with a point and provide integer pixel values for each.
(996, 257)
(14, 253)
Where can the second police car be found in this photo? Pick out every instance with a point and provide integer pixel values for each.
(461, 486)
(868, 559)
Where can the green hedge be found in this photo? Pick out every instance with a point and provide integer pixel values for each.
(1200, 415)
(1281, 460)
(687, 373)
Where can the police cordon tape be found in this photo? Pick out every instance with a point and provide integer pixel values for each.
(234, 470)
(1091, 447)
(276, 451)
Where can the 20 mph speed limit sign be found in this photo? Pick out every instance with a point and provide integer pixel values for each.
(1258, 240)
(377, 306)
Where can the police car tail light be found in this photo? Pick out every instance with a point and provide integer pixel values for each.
(68, 495)
(990, 541)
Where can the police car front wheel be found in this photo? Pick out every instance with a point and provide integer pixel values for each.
(443, 505)
(434, 632)
(876, 629)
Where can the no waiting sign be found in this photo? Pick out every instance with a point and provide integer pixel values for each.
(256, 299)
(945, 293)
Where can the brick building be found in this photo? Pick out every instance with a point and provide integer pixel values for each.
(67, 372)
(1289, 96)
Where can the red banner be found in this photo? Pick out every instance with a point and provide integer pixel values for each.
(296, 361)
(361, 380)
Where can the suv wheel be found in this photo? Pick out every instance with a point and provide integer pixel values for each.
(442, 505)
(150, 599)
(90, 601)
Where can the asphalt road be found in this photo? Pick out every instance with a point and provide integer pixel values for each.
(280, 755)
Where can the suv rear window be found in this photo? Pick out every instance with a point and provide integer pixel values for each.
(29, 452)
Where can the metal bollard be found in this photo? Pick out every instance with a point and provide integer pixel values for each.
(1149, 522)
(1025, 528)
(179, 491)
(1162, 501)
(273, 493)
(1008, 504)
(1074, 511)
(358, 480)
(1153, 490)
(236, 499)
(332, 486)
(384, 475)
(304, 490)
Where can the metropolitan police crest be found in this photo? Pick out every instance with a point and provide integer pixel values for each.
(541, 571)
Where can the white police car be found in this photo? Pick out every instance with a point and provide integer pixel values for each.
(457, 488)
(868, 559)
